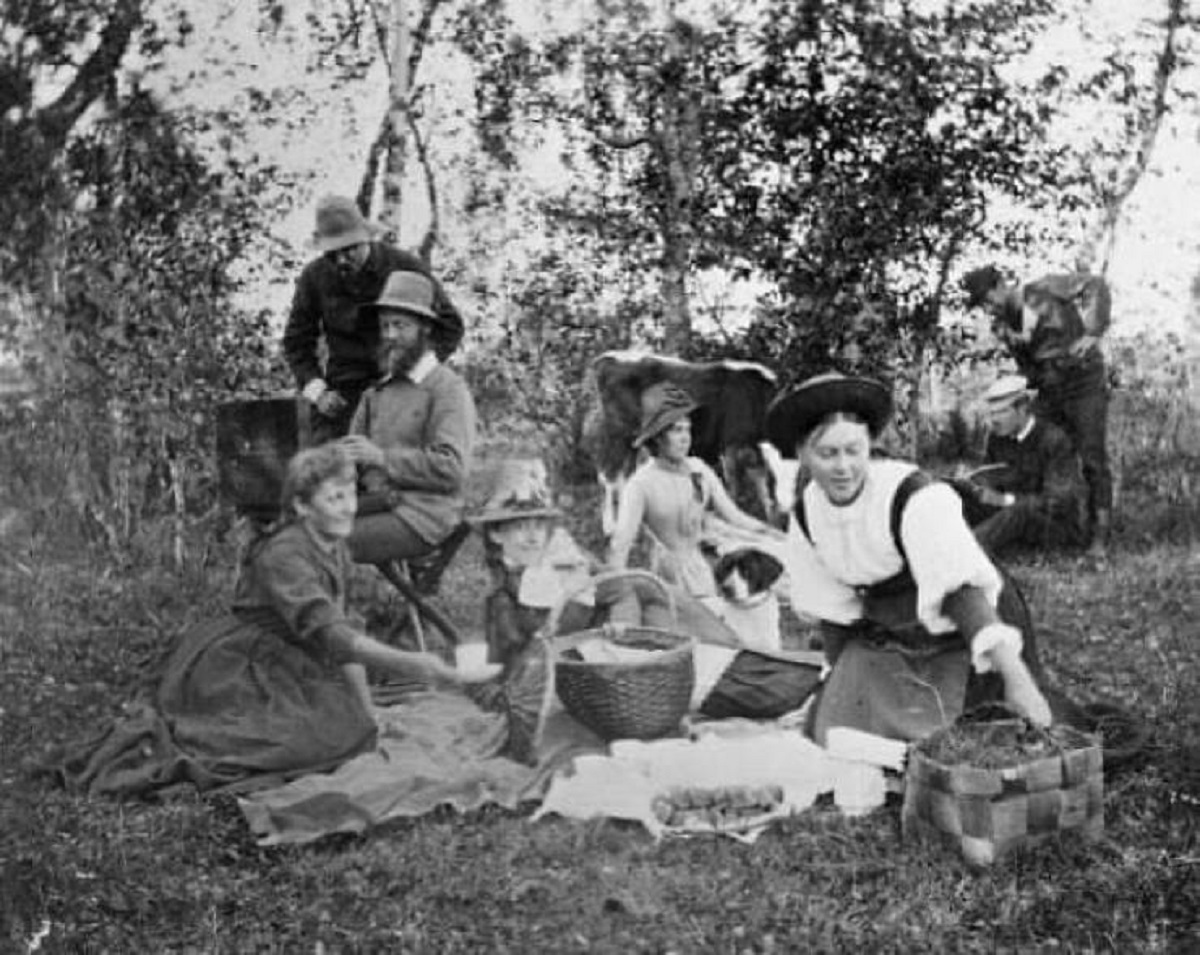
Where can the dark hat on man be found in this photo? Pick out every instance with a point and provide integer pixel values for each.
(341, 224)
(662, 405)
(409, 292)
(521, 491)
(978, 282)
(793, 415)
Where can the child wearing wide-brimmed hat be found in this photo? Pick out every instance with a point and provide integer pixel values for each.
(534, 563)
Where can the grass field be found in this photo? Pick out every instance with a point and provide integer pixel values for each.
(79, 636)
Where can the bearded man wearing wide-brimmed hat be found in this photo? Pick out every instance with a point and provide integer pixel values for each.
(917, 622)
(350, 272)
(413, 434)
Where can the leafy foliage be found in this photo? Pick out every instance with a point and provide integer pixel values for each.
(123, 249)
(856, 157)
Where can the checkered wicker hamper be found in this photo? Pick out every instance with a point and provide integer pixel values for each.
(988, 811)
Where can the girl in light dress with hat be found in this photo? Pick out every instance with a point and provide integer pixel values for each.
(671, 496)
(916, 620)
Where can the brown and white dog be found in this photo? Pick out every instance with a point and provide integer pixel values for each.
(745, 579)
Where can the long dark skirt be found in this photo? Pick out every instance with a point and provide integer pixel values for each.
(238, 705)
(884, 687)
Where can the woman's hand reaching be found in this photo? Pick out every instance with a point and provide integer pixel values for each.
(473, 672)
(1025, 697)
(478, 672)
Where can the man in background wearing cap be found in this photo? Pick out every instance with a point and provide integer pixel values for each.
(413, 433)
(1038, 499)
(1053, 326)
(349, 273)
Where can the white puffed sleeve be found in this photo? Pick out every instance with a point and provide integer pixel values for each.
(813, 589)
(943, 554)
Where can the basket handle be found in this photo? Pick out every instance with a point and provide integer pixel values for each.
(556, 612)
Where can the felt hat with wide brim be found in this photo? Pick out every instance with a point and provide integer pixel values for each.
(662, 405)
(340, 224)
(792, 416)
(521, 491)
(409, 292)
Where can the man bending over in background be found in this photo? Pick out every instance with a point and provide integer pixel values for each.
(326, 312)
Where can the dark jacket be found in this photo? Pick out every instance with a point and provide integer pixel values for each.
(1059, 310)
(1043, 469)
(326, 305)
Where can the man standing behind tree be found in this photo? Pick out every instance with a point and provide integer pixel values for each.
(1052, 327)
(349, 273)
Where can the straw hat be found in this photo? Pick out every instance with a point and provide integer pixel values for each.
(521, 491)
(792, 416)
(340, 224)
(662, 405)
(1008, 389)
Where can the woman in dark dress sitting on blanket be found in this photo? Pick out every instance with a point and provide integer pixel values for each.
(911, 609)
(277, 687)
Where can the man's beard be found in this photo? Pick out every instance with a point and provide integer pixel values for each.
(402, 359)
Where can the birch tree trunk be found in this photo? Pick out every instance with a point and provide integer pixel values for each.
(677, 140)
(399, 81)
(1099, 245)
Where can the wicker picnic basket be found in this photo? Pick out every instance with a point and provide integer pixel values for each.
(636, 699)
(987, 808)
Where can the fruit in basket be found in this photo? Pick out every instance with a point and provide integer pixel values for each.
(718, 807)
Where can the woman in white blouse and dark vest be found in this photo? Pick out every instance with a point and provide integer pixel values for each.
(881, 554)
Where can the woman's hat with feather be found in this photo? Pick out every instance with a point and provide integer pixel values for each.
(521, 490)
(662, 405)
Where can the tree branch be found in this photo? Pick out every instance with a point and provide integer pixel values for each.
(381, 36)
(1165, 68)
(91, 81)
(366, 185)
(420, 36)
(430, 238)
(628, 141)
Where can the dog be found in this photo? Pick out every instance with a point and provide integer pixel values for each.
(745, 580)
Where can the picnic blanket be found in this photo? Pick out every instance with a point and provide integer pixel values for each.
(729, 777)
(435, 749)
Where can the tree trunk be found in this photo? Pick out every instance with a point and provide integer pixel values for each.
(1099, 246)
(398, 119)
(678, 137)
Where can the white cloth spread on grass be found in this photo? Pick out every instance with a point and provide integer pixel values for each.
(625, 783)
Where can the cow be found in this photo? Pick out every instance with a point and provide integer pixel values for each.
(727, 428)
